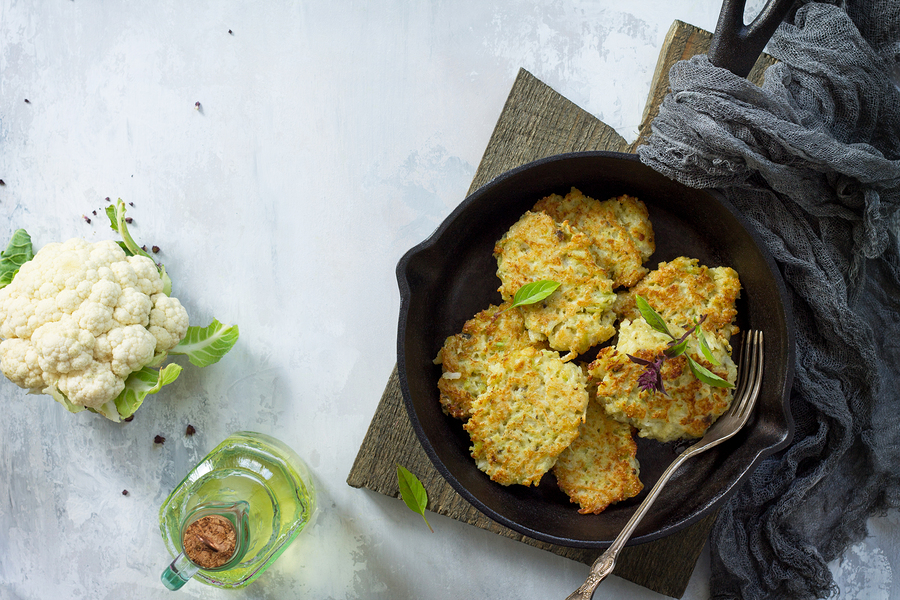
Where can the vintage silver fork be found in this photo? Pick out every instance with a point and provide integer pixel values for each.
(747, 390)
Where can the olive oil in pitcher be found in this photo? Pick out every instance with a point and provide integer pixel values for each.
(251, 487)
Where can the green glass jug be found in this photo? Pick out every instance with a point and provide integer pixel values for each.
(251, 483)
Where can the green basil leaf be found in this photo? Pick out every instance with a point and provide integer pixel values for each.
(704, 348)
(413, 492)
(676, 349)
(653, 318)
(707, 376)
(534, 292)
(17, 253)
(207, 345)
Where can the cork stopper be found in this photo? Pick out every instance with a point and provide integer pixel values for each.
(210, 541)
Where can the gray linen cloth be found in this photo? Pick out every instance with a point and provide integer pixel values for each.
(813, 160)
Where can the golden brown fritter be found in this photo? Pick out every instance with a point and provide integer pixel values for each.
(577, 315)
(620, 231)
(689, 406)
(682, 290)
(633, 215)
(529, 414)
(466, 357)
(600, 467)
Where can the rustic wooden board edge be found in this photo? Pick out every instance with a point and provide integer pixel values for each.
(537, 122)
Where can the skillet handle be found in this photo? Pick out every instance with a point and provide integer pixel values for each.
(736, 46)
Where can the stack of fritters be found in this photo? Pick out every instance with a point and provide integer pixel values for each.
(619, 228)
(600, 467)
(529, 414)
(467, 356)
(579, 314)
(526, 408)
(688, 406)
(681, 291)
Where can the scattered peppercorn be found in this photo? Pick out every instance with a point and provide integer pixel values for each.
(124, 492)
(131, 204)
(190, 430)
(159, 440)
(128, 220)
(144, 247)
(107, 198)
(197, 105)
(155, 249)
(86, 218)
(94, 212)
(27, 101)
(2, 182)
(230, 32)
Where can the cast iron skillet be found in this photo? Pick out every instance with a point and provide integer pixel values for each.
(451, 276)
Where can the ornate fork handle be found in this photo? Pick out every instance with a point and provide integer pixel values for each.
(749, 382)
(604, 565)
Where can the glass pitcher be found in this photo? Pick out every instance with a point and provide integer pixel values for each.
(260, 486)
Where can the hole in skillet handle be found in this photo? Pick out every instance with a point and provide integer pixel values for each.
(736, 46)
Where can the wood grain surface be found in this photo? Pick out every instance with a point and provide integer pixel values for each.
(537, 122)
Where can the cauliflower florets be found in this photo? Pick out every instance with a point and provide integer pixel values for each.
(168, 321)
(92, 386)
(82, 317)
(19, 361)
(63, 347)
(132, 348)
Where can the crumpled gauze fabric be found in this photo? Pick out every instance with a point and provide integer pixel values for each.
(812, 158)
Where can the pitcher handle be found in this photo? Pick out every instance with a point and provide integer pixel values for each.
(179, 572)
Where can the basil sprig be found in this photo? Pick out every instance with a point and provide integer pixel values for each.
(651, 378)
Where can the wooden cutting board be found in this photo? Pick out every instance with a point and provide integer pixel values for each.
(537, 122)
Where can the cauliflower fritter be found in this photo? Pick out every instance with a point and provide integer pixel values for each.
(682, 290)
(620, 231)
(600, 467)
(529, 414)
(689, 406)
(467, 356)
(578, 314)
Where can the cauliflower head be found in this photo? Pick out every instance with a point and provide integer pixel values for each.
(80, 317)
